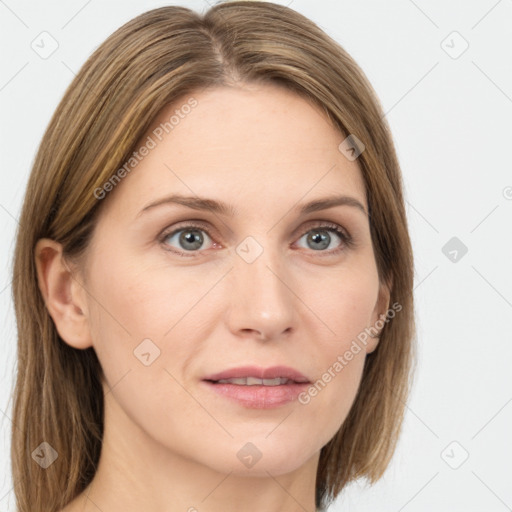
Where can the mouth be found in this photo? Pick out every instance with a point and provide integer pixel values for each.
(259, 388)
(255, 375)
(254, 381)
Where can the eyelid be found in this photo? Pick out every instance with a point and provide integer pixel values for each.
(323, 224)
(186, 224)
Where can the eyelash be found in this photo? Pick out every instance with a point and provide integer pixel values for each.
(345, 237)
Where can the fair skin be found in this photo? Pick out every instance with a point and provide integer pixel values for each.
(170, 442)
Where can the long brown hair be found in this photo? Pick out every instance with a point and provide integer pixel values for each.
(148, 63)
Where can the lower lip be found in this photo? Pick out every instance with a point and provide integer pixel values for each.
(259, 397)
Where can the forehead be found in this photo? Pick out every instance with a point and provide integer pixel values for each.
(243, 144)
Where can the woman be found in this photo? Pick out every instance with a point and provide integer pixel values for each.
(214, 275)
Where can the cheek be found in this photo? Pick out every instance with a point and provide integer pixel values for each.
(138, 310)
(141, 320)
(141, 302)
(345, 307)
(336, 383)
(329, 398)
(343, 303)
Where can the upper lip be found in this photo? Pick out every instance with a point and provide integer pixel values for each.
(260, 373)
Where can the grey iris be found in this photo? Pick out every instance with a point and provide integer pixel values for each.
(320, 238)
(193, 237)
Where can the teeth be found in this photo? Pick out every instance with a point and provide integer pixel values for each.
(254, 381)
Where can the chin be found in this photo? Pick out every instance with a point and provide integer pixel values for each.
(259, 456)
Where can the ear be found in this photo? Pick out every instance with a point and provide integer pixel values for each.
(379, 315)
(63, 295)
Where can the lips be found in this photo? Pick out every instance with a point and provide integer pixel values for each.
(252, 375)
(258, 388)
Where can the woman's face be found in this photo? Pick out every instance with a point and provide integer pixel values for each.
(179, 294)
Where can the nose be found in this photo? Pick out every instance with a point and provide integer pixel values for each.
(263, 304)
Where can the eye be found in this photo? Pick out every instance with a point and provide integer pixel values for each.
(320, 237)
(188, 238)
(191, 238)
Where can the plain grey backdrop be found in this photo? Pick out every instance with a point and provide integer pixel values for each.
(443, 72)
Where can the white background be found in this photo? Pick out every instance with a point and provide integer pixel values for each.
(451, 119)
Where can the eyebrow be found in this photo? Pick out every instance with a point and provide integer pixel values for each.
(215, 206)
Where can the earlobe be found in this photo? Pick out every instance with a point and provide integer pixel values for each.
(62, 293)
